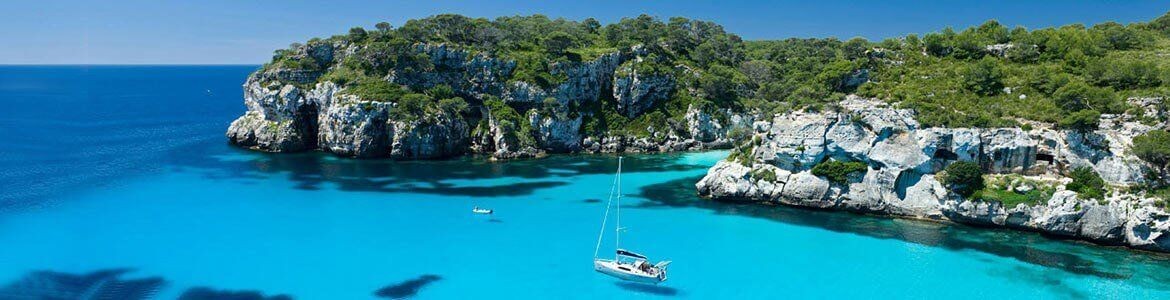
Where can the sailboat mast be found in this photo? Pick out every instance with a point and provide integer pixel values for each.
(608, 204)
(617, 241)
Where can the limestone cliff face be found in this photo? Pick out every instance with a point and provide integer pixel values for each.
(352, 127)
(435, 136)
(279, 118)
(556, 132)
(284, 118)
(904, 161)
(635, 92)
(467, 73)
(289, 110)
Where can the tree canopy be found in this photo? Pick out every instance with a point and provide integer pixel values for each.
(963, 178)
(983, 76)
(1153, 147)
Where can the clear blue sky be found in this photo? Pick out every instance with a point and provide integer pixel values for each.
(246, 32)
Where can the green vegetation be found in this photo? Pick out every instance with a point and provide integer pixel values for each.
(1163, 197)
(838, 171)
(984, 76)
(764, 174)
(1084, 121)
(514, 126)
(743, 154)
(411, 106)
(377, 90)
(1087, 183)
(1153, 147)
(957, 80)
(1011, 190)
(963, 178)
(1010, 199)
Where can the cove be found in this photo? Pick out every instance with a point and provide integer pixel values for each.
(153, 199)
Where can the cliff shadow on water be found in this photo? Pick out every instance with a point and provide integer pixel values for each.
(100, 284)
(1029, 247)
(453, 177)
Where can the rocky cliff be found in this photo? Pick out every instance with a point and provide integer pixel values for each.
(904, 164)
(295, 110)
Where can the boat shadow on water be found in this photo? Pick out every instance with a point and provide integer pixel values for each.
(647, 288)
(1029, 247)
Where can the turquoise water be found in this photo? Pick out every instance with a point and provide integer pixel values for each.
(102, 177)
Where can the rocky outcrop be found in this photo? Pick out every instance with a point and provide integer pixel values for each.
(1153, 109)
(635, 92)
(279, 118)
(701, 130)
(356, 128)
(436, 136)
(473, 74)
(285, 118)
(904, 164)
(702, 126)
(556, 132)
(585, 80)
(503, 140)
(1007, 150)
(290, 110)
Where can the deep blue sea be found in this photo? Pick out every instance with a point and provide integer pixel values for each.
(118, 182)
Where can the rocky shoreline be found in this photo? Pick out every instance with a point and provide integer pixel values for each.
(903, 165)
(290, 111)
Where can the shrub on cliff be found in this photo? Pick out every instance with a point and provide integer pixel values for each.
(1076, 96)
(415, 106)
(743, 154)
(1083, 121)
(1124, 72)
(453, 105)
(1086, 183)
(514, 126)
(963, 178)
(1153, 147)
(766, 175)
(984, 77)
(1013, 189)
(410, 107)
(1010, 199)
(558, 42)
(838, 171)
(372, 89)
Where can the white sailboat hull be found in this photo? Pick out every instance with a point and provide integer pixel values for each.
(627, 272)
(626, 265)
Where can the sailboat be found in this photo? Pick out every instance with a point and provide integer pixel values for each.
(625, 265)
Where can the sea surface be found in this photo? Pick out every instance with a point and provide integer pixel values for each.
(117, 181)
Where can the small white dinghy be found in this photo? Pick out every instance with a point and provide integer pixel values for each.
(482, 211)
(625, 265)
